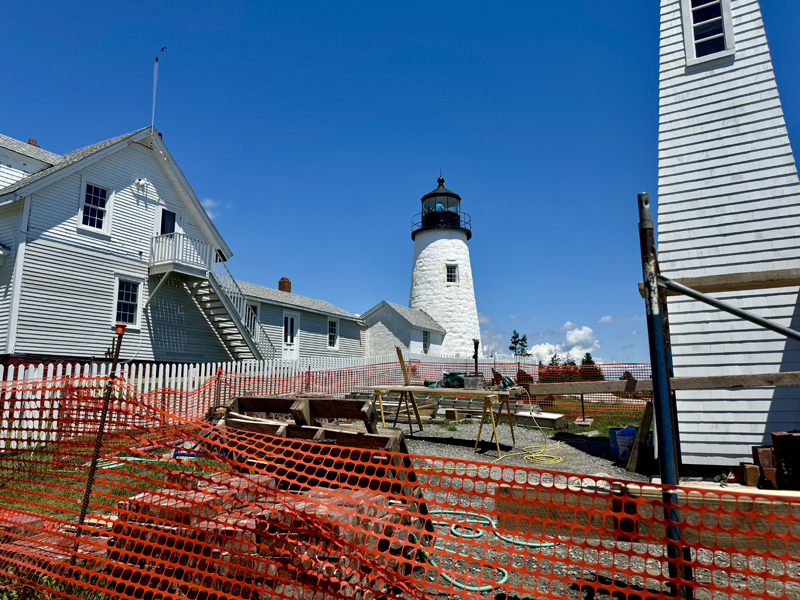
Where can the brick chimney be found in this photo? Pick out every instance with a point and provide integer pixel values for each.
(285, 285)
(32, 142)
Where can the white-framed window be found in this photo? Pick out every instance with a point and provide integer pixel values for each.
(426, 341)
(127, 301)
(168, 220)
(95, 207)
(452, 273)
(707, 30)
(333, 334)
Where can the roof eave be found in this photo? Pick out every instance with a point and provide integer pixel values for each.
(172, 168)
(359, 320)
(27, 190)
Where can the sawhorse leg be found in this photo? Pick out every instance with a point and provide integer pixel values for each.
(377, 396)
(508, 418)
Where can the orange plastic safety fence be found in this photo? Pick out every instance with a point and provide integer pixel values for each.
(340, 382)
(184, 508)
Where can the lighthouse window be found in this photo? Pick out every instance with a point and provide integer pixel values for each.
(452, 273)
(708, 29)
(426, 341)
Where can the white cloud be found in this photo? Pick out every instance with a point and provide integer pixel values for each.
(581, 336)
(567, 325)
(483, 319)
(605, 319)
(215, 207)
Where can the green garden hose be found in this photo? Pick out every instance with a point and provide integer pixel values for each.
(469, 533)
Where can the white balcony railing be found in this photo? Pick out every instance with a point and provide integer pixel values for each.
(182, 249)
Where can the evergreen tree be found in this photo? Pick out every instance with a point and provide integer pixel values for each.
(519, 344)
(555, 361)
(568, 361)
(587, 359)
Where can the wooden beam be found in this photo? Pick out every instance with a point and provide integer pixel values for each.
(736, 282)
(641, 437)
(276, 429)
(712, 382)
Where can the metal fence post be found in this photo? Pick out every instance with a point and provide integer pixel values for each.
(666, 426)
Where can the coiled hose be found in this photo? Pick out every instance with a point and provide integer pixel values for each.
(474, 533)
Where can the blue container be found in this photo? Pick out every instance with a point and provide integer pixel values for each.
(612, 436)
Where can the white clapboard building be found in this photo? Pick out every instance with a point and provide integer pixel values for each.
(114, 233)
(728, 202)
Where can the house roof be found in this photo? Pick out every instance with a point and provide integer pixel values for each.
(28, 150)
(68, 163)
(293, 300)
(416, 317)
(66, 160)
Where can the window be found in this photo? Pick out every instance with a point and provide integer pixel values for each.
(167, 221)
(288, 330)
(707, 30)
(426, 341)
(127, 302)
(95, 207)
(452, 273)
(333, 334)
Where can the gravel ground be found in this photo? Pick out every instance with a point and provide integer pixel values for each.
(582, 454)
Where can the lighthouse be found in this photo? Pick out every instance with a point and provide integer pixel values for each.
(441, 281)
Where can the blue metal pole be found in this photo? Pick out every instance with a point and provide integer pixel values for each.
(667, 451)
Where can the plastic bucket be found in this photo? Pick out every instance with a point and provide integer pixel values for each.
(625, 443)
(612, 436)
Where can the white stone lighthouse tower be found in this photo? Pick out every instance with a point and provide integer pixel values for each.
(441, 283)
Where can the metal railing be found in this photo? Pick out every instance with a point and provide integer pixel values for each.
(441, 219)
(180, 248)
(236, 296)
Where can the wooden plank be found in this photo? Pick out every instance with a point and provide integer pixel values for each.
(641, 437)
(459, 392)
(736, 282)
(276, 429)
(265, 404)
(301, 412)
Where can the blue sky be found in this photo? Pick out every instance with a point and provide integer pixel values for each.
(312, 129)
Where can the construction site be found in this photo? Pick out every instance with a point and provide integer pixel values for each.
(394, 464)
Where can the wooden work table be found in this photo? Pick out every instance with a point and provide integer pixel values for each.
(490, 398)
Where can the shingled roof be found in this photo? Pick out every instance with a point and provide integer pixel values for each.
(285, 298)
(65, 161)
(28, 150)
(416, 317)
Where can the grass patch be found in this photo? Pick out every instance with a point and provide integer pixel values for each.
(602, 425)
(449, 425)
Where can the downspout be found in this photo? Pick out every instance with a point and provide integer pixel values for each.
(13, 319)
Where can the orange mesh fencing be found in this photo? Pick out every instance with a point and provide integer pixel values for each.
(342, 381)
(185, 508)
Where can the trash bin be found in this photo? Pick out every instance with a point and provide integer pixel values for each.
(625, 439)
(612, 436)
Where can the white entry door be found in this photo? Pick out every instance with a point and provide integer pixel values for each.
(291, 346)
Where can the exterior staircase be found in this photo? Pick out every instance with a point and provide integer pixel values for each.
(216, 294)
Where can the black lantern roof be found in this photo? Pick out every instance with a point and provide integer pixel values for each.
(441, 191)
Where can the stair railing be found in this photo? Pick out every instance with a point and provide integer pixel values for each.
(254, 327)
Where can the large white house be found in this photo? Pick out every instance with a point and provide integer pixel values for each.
(114, 233)
(728, 202)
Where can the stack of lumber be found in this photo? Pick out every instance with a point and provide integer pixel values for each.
(307, 413)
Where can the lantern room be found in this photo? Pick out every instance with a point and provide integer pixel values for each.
(441, 209)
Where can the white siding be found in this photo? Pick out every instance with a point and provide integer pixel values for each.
(67, 293)
(9, 236)
(386, 329)
(14, 167)
(728, 202)
(312, 334)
